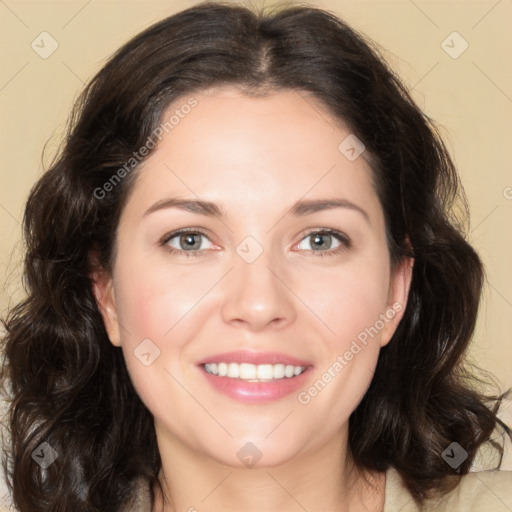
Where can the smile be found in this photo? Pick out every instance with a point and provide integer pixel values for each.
(254, 373)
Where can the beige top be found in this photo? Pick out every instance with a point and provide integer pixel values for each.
(483, 491)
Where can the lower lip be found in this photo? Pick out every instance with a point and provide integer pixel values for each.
(256, 392)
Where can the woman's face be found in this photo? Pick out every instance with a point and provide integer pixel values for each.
(285, 267)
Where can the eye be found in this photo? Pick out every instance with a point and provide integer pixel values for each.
(324, 241)
(190, 242)
(186, 241)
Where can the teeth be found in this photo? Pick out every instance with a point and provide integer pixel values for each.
(254, 373)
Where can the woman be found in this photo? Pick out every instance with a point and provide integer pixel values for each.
(245, 288)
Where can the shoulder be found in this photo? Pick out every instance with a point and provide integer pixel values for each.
(481, 491)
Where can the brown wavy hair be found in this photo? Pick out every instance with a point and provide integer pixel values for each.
(67, 385)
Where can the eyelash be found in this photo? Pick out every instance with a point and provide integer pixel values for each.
(343, 239)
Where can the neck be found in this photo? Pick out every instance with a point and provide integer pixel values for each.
(193, 482)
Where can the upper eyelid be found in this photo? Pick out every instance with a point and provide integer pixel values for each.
(339, 235)
(178, 232)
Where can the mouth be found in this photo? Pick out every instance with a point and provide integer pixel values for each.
(255, 378)
(253, 373)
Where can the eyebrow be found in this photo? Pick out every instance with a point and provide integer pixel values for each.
(300, 208)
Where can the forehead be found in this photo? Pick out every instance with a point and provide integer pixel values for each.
(238, 148)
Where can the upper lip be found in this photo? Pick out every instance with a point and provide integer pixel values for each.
(256, 358)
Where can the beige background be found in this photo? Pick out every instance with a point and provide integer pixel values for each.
(469, 96)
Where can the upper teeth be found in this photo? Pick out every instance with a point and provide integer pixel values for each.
(252, 372)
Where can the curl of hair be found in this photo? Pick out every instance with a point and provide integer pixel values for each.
(68, 385)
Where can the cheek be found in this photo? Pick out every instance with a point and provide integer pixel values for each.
(152, 308)
(160, 306)
(355, 298)
(350, 299)
(350, 352)
(151, 300)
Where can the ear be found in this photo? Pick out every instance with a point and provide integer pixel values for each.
(400, 284)
(103, 290)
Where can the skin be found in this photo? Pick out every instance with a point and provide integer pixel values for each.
(255, 157)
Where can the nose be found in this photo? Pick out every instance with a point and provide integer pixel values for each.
(257, 297)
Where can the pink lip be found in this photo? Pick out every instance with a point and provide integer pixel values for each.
(256, 392)
(244, 356)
